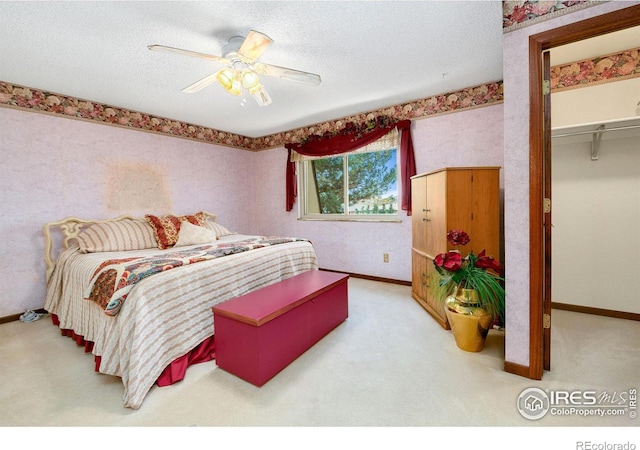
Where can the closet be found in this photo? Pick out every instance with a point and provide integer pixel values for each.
(596, 198)
(463, 198)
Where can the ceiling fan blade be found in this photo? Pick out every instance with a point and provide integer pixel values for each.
(254, 45)
(164, 48)
(287, 74)
(201, 84)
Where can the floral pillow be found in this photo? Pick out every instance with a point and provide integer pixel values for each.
(193, 234)
(167, 227)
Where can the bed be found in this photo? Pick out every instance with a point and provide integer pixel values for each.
(163, 322)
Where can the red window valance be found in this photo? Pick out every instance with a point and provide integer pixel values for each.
(349, 139)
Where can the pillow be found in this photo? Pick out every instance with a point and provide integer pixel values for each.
(218, 229)
(193, 234)
(167, 227)
(123, 235)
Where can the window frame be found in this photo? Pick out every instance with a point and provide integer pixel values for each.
(304, 166)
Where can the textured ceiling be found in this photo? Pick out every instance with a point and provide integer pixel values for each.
(370, 55)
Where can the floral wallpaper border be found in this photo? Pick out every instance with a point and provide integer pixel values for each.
(602, 69)
(20, 97)
(518, 14)
(483, 95)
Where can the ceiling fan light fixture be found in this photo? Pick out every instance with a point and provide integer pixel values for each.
(229, 79)
(260, 95)
(225, 78)
(242, 70)
(250, 79)
(236, 87)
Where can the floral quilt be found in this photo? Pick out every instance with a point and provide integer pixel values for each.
(114, 279)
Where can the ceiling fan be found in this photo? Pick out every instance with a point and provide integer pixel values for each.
(240, 57)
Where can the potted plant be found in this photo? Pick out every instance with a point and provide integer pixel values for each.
(472, 290)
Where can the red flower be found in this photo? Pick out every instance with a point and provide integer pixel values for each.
(482, 273)
(458, 237)
(487, 262)
(451, 261)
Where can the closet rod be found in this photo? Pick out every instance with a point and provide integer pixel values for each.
(601, 130)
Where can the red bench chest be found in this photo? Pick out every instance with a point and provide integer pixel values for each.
(260, 333)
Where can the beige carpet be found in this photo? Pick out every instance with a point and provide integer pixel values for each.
(388, 365)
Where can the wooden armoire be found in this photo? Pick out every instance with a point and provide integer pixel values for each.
(461, 198)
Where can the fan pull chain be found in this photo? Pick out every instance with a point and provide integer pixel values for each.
(244, 99)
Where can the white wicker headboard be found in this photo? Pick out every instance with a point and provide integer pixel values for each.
(71, 228)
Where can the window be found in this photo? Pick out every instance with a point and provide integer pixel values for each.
(366, 180)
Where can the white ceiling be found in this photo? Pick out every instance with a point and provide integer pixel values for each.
(370, 55)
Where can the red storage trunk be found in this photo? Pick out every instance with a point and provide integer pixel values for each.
(260, 333)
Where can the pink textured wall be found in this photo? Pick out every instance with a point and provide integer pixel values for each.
(54, 167)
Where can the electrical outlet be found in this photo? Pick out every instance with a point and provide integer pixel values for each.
(385, 257)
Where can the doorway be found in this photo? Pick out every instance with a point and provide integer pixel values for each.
(595, 175)
(539, 175)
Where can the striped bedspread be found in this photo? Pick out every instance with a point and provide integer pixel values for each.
(115, 278)
(132, 345)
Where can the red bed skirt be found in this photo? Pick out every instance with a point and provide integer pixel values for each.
(174, 372)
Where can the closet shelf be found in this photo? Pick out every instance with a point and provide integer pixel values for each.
(596, 130)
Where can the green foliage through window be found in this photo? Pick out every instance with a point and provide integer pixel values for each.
(366, 182)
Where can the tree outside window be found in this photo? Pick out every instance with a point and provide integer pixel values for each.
(367, 182)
